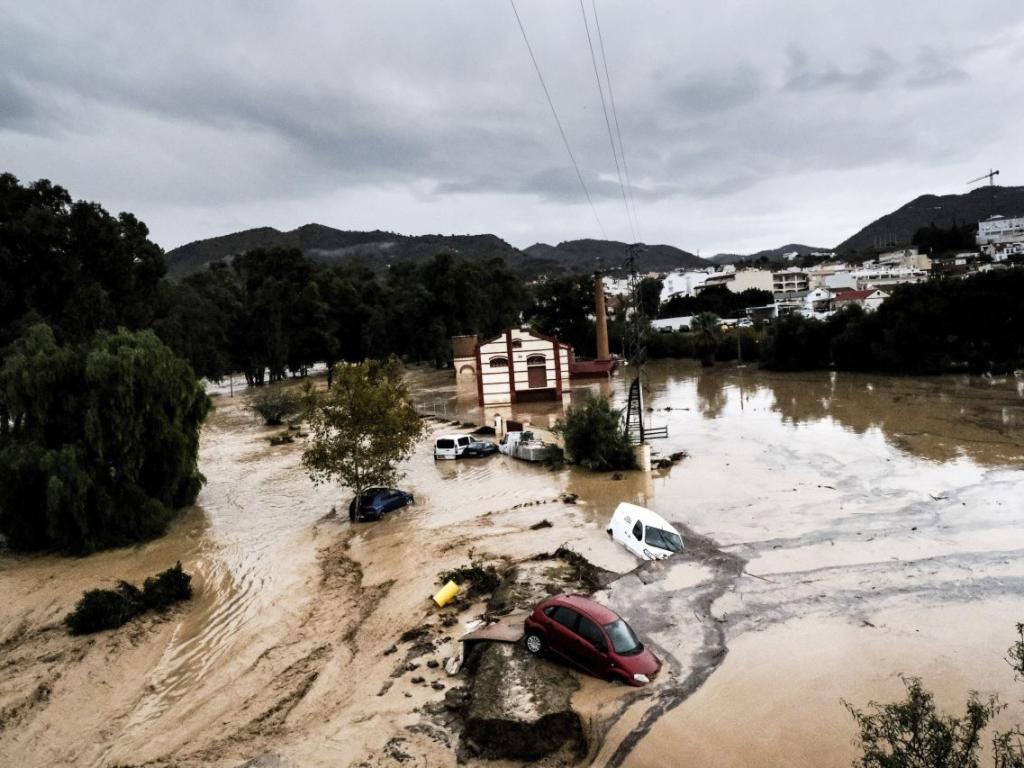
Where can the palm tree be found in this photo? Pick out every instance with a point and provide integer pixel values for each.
(705, 326)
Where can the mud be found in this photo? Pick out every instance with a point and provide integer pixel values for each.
(839, 530)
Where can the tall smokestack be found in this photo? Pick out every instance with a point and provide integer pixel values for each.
(602, 318)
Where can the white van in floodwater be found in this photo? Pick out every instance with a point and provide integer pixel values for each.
(451, 446)
(644, 533)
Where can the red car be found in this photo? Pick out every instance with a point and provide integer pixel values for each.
(594, 637)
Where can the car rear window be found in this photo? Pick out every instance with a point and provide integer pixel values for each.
(444, 444)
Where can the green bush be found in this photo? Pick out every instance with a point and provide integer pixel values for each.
(275, 405)
(595, 436)
(100, 609)
(166, 588)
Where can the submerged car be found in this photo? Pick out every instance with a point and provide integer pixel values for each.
(644, 533)
(462, 447)
(375, 502)
(591, 636)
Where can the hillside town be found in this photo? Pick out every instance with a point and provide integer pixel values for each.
(826, 285)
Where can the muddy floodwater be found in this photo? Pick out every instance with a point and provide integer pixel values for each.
(840, 530)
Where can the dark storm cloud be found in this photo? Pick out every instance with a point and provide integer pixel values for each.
(403, 112)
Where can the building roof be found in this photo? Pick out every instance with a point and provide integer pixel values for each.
(854, 295)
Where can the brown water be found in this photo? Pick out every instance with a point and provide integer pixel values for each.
(840, 529)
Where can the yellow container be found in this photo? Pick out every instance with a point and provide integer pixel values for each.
(446, 593)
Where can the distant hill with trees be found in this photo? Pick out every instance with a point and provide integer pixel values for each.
(584, 256)
(377, 250)
(773, 255)
(897, 229)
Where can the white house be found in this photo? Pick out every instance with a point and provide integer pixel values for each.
(515, 366)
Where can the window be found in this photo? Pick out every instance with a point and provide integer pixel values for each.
(445, 443)
(463, 441)
(590, 632)
(535, 360)
(623, 639)
(565, 616)
(638, 531)
(498, 362)
(662, 539)
(517, 343)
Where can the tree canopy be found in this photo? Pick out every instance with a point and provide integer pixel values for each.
(98, 440)
(362, 427)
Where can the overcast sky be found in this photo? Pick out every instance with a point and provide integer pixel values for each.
(746, 125)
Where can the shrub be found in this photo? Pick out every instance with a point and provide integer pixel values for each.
(595, 436)
(100, 609)
(275, 405)
(170, 586)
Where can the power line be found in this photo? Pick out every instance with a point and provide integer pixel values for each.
(607, 122)
(615, 115)
(554, 113)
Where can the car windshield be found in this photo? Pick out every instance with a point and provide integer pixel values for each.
(663, 539)
(622, 637)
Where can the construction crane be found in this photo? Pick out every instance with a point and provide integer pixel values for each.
(991, 175)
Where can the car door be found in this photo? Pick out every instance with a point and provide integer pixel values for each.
(463, 444)
(562, 639)
(593, 647)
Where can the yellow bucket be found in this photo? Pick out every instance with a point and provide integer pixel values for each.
(446, 593)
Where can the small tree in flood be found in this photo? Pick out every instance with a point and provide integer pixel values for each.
(595, 436)
(363, 427)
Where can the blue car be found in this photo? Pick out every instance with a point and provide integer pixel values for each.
(375, 502)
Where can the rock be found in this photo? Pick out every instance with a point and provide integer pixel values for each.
(389, 651)
(617, 476)
(417, 680)
(568, 498)
(414, 634)
(433, 664)
(541, 524)
(412, 666)
(437, 685)
(520, 707)
(456, 699)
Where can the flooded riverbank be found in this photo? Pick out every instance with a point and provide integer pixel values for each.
(841, 529)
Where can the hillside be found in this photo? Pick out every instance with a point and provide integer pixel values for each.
(608, 255)
(771, 254)
(378, 249)
(897, 228)
(375, 249)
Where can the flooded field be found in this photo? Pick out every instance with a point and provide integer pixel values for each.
(840, 530)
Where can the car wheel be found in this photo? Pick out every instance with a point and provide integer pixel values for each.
(534, 643)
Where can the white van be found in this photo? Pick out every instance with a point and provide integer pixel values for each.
(644, 533)
(451, 446)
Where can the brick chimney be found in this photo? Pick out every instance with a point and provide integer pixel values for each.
(601, 314)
